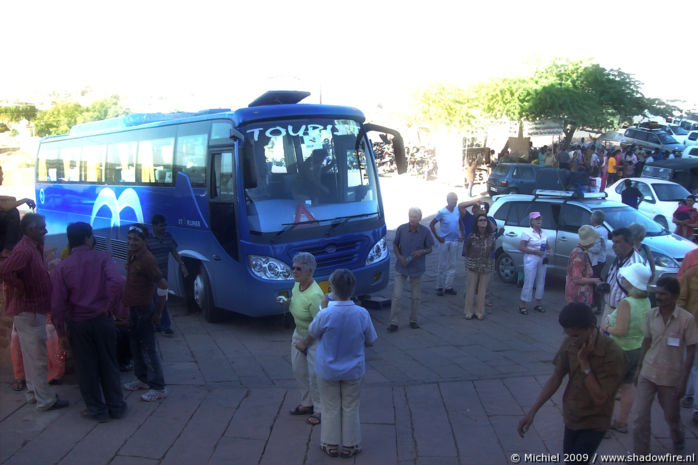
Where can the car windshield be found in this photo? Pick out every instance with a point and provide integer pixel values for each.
(670, 192)
(501, 170)
(622, 216)
(678, 130)
(309, 173)
(665, 138)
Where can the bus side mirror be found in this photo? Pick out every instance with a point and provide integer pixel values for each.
(249, 168)
(398, 145)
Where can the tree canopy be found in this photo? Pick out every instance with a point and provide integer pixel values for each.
(577, 94)
(63, 115)
(16, 113)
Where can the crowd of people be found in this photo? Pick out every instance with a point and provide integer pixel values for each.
(616, 344)
(76, 305)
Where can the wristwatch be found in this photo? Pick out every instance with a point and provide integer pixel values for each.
(587, 371)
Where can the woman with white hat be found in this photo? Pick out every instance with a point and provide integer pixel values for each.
(624, 325)
(535, 247)
(580, 281)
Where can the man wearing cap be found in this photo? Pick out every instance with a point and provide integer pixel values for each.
(448, 237)
(142, 275)
(622, 239)
(670, 331)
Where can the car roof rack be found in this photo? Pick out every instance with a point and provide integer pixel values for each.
(547, 193)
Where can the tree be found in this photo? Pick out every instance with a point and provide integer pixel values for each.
(443, 105)
(63, 115)
(103, 109)
(17, 113)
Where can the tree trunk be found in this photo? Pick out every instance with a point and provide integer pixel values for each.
(569, 131)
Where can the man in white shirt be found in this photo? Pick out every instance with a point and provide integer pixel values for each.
(449, 238)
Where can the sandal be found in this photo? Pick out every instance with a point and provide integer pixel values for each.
(349, 452)
(18, 385)
(620, 427)
(302, 410)
(313, 420)
(523, 311)
(539, 309)
(330, 449)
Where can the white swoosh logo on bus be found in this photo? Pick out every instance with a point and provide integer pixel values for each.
(127, 199)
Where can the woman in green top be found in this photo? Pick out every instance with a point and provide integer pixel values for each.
(304, 305)
(624, 325)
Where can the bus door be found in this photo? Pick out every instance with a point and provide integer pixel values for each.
(222, 216)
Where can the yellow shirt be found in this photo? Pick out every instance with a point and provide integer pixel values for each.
(612, 165)
(305, 305)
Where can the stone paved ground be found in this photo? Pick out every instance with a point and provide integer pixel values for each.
(451, 392)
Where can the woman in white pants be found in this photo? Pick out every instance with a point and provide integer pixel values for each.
(343, 329)
(535, 247)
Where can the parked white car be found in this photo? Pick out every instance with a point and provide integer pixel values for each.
(691, 138)
(690, 152)
(660, 198)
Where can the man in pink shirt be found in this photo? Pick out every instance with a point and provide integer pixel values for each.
(87, 290)
(28, 300)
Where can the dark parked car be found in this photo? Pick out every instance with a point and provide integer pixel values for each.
(680, 171)
(512, 178)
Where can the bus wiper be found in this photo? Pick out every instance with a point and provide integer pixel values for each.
(290, 226)
(341, 220)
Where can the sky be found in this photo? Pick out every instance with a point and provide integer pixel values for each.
(165, 55)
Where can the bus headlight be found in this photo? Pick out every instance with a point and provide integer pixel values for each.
(269, 268)
(664, 261)
(378, 252)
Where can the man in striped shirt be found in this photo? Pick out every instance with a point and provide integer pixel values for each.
(28, 297)
(626, 255)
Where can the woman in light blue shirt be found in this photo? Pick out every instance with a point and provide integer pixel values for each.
(343, 330)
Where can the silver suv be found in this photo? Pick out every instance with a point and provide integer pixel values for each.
(650, 138)
(562, 218)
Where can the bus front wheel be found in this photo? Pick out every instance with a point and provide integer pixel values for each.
(204, 298)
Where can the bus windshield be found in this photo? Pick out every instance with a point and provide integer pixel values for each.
(309, 172)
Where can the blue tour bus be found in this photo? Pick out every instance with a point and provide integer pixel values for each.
(242, 192)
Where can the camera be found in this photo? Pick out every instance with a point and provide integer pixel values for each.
(604, 288)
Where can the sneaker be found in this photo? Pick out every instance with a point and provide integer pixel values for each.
(687, 402)
(135, 385)
(679, 446)
(392, 328)
(167, 332)
(154, 394)
(58, 404)
(440, 291)
(414, 325)
(451, 291)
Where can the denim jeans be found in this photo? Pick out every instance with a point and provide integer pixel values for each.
(146, 361)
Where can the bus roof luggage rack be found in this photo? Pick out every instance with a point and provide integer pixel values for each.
(136, 119)
(568, 194)
(279, 97)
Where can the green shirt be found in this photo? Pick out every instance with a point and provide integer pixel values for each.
(638, 312)
(305, 305)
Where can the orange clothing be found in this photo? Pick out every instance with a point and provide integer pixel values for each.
(689, 261)
(611, 165)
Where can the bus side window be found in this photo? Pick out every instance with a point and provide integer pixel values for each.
(156, 155)
(121, 160)
(190, 151)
